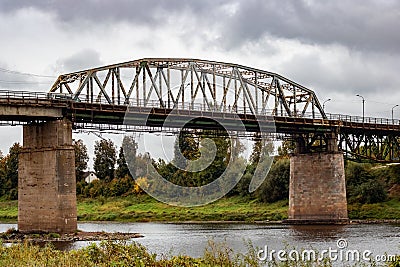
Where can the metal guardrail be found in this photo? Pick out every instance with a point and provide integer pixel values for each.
(5, 94)
(64, 97)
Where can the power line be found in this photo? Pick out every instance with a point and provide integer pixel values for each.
(25, 73)
(22, 82)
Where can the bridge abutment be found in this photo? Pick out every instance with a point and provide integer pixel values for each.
(46, 179)
(317, 189)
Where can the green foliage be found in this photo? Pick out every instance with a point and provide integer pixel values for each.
(126, 163)
(9, 172)
(196, 153)
(121, 186)
(394, 172)
(54, 235)
(276, 185)
(81, 159)
(286, 149)
(136, 207)
(122, 167)
(256, 153)
(141, 164)
(101, 188)
(186, 148)
(218, 166)
(121, 253)
(242, 187)
(371, 192)
(384, 210)
(356, 174)
(105, 159)
(362, 185)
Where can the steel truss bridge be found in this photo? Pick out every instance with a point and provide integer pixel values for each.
(141, 95)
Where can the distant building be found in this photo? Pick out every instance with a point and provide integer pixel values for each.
(90, 177)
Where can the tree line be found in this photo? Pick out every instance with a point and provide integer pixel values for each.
(123, 172)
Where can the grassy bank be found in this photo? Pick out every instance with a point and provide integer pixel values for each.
(144, 208)
(8, 210)
(109, 253)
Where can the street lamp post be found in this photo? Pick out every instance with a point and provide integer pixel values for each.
(363, 105)
(323, 104)
(392, 113)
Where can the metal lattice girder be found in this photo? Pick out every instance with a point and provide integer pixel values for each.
(380, 148)
(191, 83)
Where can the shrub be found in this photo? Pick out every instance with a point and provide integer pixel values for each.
(371, 192)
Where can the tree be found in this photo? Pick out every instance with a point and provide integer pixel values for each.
(220, 162)
(2, 174)
(256, 154)
(105, 159)
(9, 172)
(276, 185)
(141, 164)
(127, 158)
(81, 159)
(286, 149)
(186, 148)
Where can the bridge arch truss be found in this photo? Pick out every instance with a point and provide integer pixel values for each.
(191, 84)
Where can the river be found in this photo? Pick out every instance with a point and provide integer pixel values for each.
(192, 238)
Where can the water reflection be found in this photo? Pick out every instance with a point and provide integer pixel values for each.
(317, 232)
(60, 245)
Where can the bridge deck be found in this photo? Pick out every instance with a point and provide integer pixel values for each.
(41, 106)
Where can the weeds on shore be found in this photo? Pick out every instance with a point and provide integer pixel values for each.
(122, 253)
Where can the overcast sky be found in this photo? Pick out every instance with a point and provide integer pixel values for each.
(336, 48)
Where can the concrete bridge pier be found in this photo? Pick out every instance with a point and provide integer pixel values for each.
(46, 179)
(317, 189)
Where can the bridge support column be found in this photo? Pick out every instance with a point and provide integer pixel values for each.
(317, 189)
(46, 179)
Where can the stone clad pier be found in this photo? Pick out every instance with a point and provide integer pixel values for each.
(46, 178)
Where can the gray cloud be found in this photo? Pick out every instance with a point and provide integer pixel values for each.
(359, 24)
(84, 59)
(349, 73)
(253, 32)
(148, 12)
(366, 25)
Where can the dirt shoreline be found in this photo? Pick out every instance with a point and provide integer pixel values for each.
(351, 221)
(13, 236)
(355, 221)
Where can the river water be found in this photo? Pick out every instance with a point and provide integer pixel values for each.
(192, 238)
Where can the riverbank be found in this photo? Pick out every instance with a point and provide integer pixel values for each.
(14, 236)
(145, 209)
(111, 253)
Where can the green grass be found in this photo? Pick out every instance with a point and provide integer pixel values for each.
(377, 211)
(114, 253)
(8, 210)
(144, 208)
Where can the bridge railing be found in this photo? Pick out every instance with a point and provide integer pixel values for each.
(359, 119)
(204, 107)
(354, 119)
(25, 95)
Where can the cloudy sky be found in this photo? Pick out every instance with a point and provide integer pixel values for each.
(337, 48)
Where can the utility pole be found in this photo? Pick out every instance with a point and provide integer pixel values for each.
(323, 104)
(363, 107)
(392, 113)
